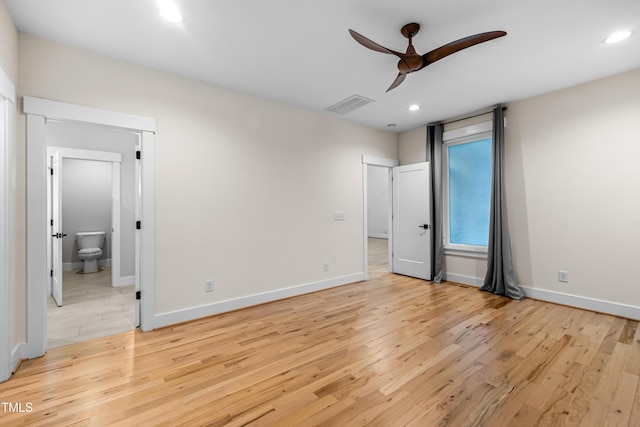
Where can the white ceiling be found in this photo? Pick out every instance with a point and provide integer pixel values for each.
(299, 52)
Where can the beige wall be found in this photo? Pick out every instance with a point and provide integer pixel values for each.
(8, 45)
(573, 184)
(245, 188)
(412, 146)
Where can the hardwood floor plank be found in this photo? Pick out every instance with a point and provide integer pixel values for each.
(400, 378)
(613, 335)
(596, 415)
(634, 418)
(391, 351)
(583, 388)
(622, 404)
(632, 363)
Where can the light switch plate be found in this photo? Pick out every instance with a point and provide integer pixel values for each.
(563, 276)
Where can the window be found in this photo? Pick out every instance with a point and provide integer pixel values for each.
(467, 196)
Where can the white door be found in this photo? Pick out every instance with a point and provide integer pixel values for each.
(56, 230)
(411, 221)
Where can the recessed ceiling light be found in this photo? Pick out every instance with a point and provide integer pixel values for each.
(170, 12)
(414, 107)
(618, 36)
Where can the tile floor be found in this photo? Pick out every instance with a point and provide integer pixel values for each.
(91, 308)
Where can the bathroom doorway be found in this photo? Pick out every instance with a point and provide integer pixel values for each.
(42, 116)
(90, 181)
(91, 191)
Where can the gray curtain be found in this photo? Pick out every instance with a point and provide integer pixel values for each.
(434, 157)
(500, 278)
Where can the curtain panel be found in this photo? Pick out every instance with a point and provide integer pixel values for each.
(500, 278)
(434, 157)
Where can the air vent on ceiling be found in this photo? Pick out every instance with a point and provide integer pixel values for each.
(349, 104)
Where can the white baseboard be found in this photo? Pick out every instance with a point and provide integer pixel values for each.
(126, 281)
(16, 357)
(465, 280)
(379, 236)
(79, 265)
(122, 281)
(607, 307)
(600, 306)
(171, 318)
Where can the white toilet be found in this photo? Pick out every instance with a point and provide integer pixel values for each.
(90, 248)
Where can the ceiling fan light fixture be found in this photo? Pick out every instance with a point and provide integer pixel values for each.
(170, 12)
(414, 107)
(618, 36)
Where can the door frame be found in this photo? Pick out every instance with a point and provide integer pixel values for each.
(115, 159)
(38, 111)
(389, 164)
(8, 355)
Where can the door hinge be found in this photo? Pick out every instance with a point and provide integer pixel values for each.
(51, 222)
(51, 273)
(51, 171)
(138, 295)
(138, 225)
(138, 154)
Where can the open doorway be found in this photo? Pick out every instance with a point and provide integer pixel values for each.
(377, 233)
(378, 220)
(407, 217)
(91, 200)
(41, 116)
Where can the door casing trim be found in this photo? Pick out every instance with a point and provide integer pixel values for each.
(38, 111)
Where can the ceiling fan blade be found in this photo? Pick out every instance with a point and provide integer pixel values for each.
(397, 82)
(458, 45)
(373, 45)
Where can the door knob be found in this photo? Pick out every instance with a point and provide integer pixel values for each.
(59, 235)
(425, 226)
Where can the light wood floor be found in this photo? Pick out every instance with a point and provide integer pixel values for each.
(91, 308)
(378, 252)
(392, 351)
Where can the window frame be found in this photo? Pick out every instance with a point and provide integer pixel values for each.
(451, 138)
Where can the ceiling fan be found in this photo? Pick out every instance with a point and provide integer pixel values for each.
(410, 61)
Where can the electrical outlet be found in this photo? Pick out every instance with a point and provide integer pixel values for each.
(208, 285)
(338, 216)
(325, 266)
(563, 276)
